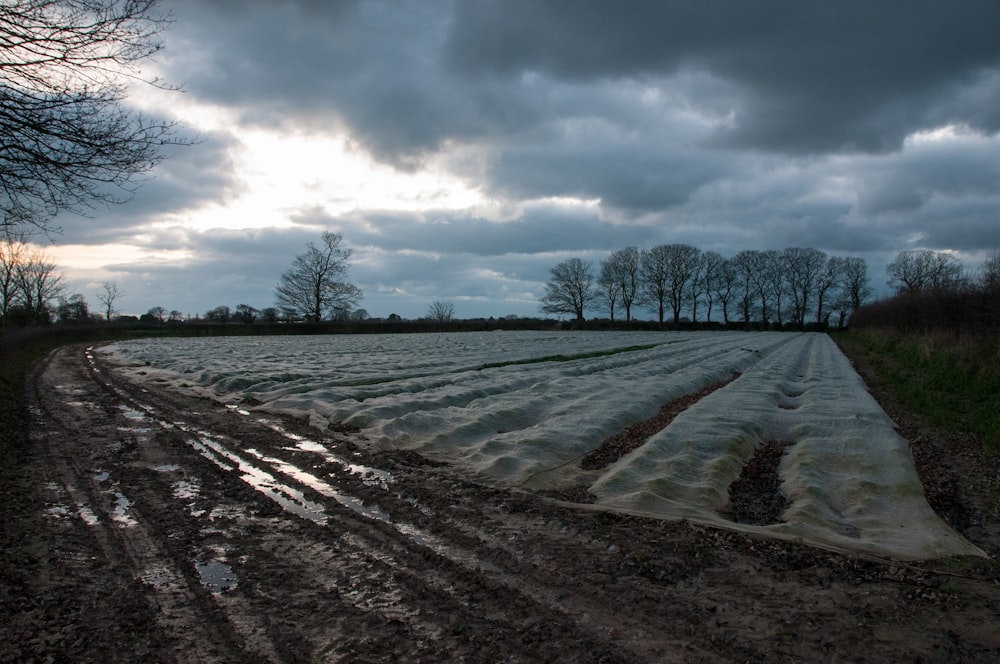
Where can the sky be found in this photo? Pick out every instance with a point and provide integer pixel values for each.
(463, 148)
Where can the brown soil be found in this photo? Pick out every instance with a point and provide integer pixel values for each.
(140, 527)
(755, 497)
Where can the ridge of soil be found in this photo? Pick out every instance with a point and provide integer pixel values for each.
(143, 524)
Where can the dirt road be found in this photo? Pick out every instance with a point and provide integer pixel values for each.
(149, 526)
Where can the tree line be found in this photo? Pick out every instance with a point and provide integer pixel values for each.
(932, 291)
(793, 286)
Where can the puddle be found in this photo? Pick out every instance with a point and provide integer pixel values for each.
(59, 511)
(291, 500)
(131, 413)
(216, 576)
(121, 515)
(227, 512)
(415, 534)
(186, 489)
(102, 476)
(87, 514)
(167, 468)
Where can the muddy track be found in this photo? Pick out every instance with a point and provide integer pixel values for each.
(201, 533)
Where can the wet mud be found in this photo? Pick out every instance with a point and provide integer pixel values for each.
(755, 497)
(144, 525)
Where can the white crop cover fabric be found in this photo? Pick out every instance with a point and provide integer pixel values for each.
(848, 477)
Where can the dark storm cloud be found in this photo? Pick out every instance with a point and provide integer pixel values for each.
(515, 77)
(858, 128)
(541, 229)
(817, 76)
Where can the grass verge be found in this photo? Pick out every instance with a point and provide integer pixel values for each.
(947, 379)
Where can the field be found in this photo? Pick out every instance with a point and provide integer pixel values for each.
(522, 410)
(487, 497)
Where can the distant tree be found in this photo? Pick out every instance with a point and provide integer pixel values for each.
(745, 266)
(771, 286)
(441, 312)
(69, 139)
(655, 280)
(269, 315)
(698, 288)
(360, 315)
(855, 282)
(608, 288)
(714, 272)
(667, 271)
(110, 292)
(220, 314)
(989, 273)
(917, 270)
(13, 248)
(801, 268)
(157, 314)
(570, 290)
(245, 313)
(622, 268)
(313, 287)
(37, 283)
(394, 317)
(73, 309)
(175, 316)
(828, 296)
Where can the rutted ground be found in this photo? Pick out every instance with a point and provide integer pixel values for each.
(159, 527)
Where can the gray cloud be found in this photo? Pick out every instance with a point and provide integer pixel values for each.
(725, 124)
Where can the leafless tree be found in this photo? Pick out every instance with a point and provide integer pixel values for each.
(67, 140)
(712, 266)
(916, 270)
(801, 269)
(219, 314)
(667, 270)
(745, 265)
(826, 287)
(441, 312)
(721, 284)
(622, 269)
(772, 287)
(110, 292)
(989, 273)
(36, 284)
(245, 313)
(571, 288)
(855, 282)
(313, 287)
(73, 309)
(607, 286)
(13, 247)
(158, 314)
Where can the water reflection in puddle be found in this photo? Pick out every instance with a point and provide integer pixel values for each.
(120, 513)
(87, 514)
(288, 498)
(216, 576)
(415, 534)
(121, 505)
(368, 474)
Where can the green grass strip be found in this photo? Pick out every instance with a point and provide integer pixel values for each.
(950, 381)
